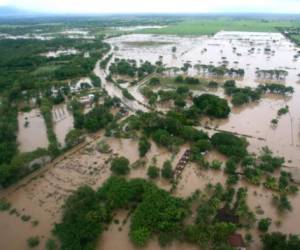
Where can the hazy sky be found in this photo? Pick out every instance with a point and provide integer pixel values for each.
(157, 6)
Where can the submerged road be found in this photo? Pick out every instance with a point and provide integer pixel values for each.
(114, 91)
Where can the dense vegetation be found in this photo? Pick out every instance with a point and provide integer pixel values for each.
(155, 212)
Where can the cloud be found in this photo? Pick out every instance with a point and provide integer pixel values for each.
(157, 6)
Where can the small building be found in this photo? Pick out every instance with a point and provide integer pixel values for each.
(237, 242)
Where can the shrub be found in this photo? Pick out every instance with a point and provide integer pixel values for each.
(144, 146)
(153, 172)
(120, 166)
(167, 171)
(154, 81)
(264, 224)
(33, 241)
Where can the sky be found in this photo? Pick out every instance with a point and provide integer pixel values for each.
(156, 6)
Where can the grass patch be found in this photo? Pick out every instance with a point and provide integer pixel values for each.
(207, 26)
(45, 70)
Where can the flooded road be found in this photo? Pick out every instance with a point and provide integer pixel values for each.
(114, 91)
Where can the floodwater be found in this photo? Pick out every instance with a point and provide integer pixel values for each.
(246, 50)
(63, 122)
(33, 135)
(42, 197)
(139, 27)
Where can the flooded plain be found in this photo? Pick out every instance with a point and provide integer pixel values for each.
(41, 196)
(32, 132)
(250, 51)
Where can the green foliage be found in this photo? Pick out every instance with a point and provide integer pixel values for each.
(126, 94)
(264, 224)
(33, 241)
(51, 245)
(279, 241)
(97, 118)
(120, 166)
(144, 146)
(82, 220)
(241, 96)
(282, 203)
(179, 79)
(268, 162)
(154, 81)
(73, 137)
(230, 145)
(283, 111)
(212, 105)
(159, 213)
(213, 85)
(216, 165)
(198, 148)
(153, 172)
(46, 110)
(4, 205)
(167, 171)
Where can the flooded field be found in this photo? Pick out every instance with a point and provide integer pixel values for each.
(42, 197)
(32, 131)
(246, 50)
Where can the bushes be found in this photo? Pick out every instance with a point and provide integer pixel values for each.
(153, 172)
(73, 138)
(159, 213)
(167, 171)
(154, 81)
(33, 242)
(120, 166)
(126, 94)
(212, 105)
(230, 145)
(264, 224)
(279, 241)
(97, 118)
(144, 146)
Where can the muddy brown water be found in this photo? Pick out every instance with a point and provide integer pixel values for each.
(35, 134)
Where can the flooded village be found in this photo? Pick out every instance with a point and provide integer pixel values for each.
(138, 85)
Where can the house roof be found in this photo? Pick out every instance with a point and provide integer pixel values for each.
(236, 240)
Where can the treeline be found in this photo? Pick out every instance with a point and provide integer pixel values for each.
(245, 95)
(130, 68)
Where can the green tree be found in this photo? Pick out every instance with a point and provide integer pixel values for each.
(120, 166)
(167, 171)
(153, 172)
(144, 146)
(264, 224)
(73, 137)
